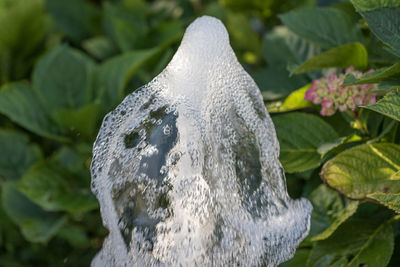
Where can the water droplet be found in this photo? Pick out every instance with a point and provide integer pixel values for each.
(167, 130)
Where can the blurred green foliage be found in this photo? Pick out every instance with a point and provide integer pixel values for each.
(65, 64)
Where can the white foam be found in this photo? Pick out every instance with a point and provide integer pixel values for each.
(186, 168)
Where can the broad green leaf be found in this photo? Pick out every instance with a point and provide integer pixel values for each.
(363, 241)
(5, 226)
(374, 77)
(77, 19)
(158, 64)
(390, 84)
(391, 201)
(23, 27)
(326, 27)
(389, 106)
(54, 189)
(63, 78)
(125, 23)
(341, 123)
(19, 102)
(299, 259)
(163, 35)
(368, 5)
(378, 54)
(283, 48)
(75, 235)
(14, 25)
(293, 102)
(395, 260)
(329, 212)
(80, 121)
(377, 249)
(75, 161)
(344, 56)
(114, 74)
(99, 47)
(377, 125)
(364, 169)
(275, 83)
(326, 149)
(242, 34)
(388, 131)
(300, 135)
(18, 155)
(36, 224)
(384, 23)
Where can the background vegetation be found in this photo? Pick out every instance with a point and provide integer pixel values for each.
(65, 64)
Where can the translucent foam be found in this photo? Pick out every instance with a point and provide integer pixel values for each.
(186, 168)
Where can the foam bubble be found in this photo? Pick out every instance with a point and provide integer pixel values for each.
(186, 168)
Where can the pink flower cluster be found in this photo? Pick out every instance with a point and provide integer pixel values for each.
(332, 96)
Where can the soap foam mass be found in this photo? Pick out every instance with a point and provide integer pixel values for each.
(186, 168)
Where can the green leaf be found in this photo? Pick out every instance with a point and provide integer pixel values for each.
(75, 161)
(329, 212)
(36, 224)
(326, 27)
(300, 135)
(114, 74)
(18, 155)
(125, 23)
(274, 82)
(384, 23)
(20, 103)
(368, 5)
(23, 27)
(378, 53)
(391, 201)
(377, 249)
(99, 47)
(372, 121)
(242, 34)
(54, 189)
(333, 147)
(340, 121)
(80, 121)
(344, 56)
(364, 169)
(299, 259)
(373, 77)
(294, 101)
(389, 106)
(284, 48)
(75, 235)
(395, 260)
(163, 35)
(77, 19)
(390, 84)
(63, 78)
(364, 242)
